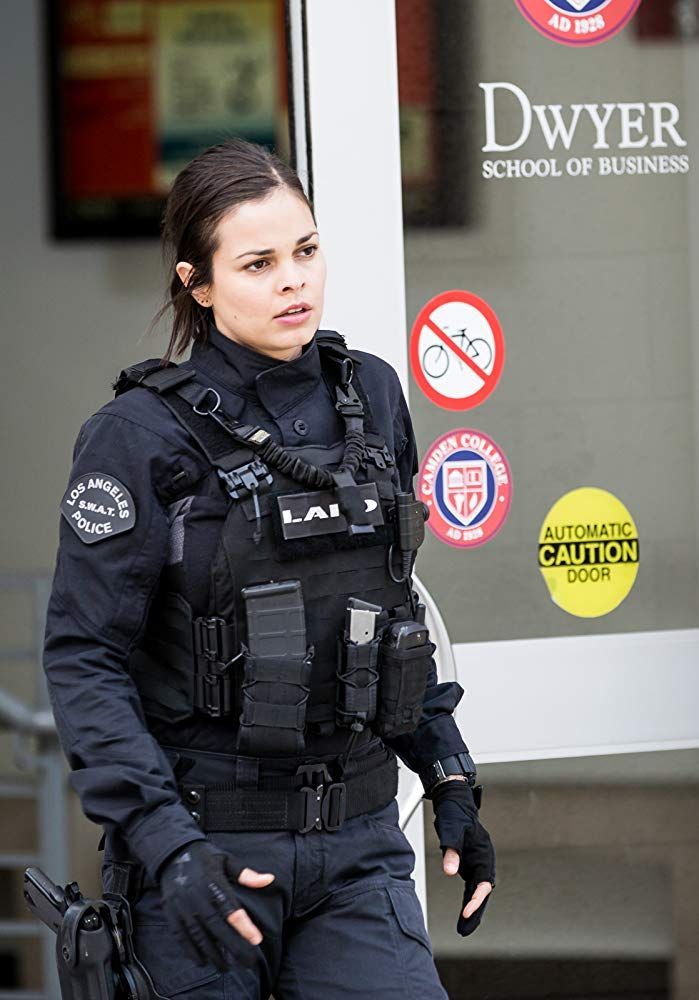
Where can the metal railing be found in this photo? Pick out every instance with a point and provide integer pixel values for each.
(37, 753)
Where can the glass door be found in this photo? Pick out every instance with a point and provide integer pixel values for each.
(508, 201)
(512, 222)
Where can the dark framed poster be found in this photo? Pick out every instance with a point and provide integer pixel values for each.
(138, 87)
(435, 62)
(663, 20)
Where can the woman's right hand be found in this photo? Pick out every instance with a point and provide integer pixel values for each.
(202, 907)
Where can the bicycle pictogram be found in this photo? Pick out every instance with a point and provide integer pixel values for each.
(436, 359)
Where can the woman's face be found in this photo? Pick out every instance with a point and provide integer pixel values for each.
(268, 260)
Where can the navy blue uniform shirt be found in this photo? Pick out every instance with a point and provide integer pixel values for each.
(102, 590)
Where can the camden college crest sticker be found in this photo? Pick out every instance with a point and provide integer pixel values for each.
(465, 481)
(578, 22)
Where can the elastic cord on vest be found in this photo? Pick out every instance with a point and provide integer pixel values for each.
(259, 441)
(274, 455)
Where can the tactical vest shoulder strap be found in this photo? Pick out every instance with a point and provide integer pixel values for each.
(170, 383)
(333, 350)
(154, 374)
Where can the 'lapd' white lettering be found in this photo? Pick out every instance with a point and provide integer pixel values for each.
(559, 128)
(318, 511)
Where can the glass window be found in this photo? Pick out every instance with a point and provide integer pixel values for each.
(554, 184)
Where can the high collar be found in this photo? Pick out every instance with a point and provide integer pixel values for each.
(278, 385)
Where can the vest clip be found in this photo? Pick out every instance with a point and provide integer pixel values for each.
(348, 402)
(381, 457)
(248, 434)
(213, 681)
(248, 478)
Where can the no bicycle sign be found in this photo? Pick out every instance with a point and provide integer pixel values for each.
(457, 350)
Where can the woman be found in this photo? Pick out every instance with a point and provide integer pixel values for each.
(234, 651)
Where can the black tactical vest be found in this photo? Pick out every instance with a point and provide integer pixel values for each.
(277, 527)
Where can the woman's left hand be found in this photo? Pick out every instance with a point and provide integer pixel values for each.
(450, 863)
(466, 848)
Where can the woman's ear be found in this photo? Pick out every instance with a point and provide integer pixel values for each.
(184, 270)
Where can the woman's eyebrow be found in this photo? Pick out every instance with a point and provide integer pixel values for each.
(264, 253)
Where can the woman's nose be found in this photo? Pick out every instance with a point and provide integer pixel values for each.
(292, 277)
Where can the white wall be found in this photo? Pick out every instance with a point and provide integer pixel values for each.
(71, 315)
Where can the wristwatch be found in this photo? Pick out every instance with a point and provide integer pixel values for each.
(458, 763)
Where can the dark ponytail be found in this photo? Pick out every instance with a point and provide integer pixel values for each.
(215, 182)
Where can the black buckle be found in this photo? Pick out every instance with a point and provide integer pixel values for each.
(248, 434)
(324, 800)
(248, 478)
(381, 457)
(209, 638)
(213, 682)
(348, 402)
(334, 805)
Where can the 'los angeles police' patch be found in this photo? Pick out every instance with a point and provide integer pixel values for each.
(97, 506)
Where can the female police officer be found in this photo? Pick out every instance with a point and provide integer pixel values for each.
(234, 652)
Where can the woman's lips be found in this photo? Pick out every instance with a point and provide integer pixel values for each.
(294, 319)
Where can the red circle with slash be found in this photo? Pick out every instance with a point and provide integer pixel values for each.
(457, 350)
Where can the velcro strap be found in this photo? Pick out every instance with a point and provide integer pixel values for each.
(133, 375)
(276, 670)
(349, 499)
(164, 379)
(262, 713)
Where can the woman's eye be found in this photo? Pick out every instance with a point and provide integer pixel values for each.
(252, 267)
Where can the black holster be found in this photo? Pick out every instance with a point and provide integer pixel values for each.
(94, 947)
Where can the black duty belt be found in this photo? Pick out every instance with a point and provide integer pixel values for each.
(321, 803)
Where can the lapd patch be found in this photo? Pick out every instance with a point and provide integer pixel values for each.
(97, 506)
(304, 515)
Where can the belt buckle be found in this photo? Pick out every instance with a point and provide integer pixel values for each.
(323, 799)
(334, 806)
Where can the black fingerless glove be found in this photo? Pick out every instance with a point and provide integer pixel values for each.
(197, 890)
(458, 826)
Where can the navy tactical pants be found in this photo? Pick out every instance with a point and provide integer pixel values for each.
(340, 920)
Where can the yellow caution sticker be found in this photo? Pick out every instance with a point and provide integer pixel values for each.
(588, 552)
